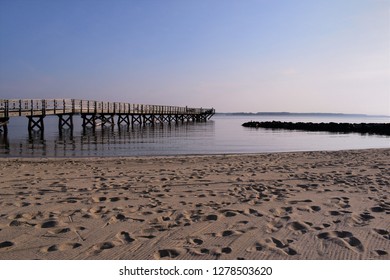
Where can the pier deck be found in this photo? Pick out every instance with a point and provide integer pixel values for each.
(95, 113)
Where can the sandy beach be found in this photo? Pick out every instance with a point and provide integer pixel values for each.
(303, 205)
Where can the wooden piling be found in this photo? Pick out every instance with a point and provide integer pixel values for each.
(35, 123)
(65, 121)
(3, 125)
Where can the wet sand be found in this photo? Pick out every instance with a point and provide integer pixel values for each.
(304, 205)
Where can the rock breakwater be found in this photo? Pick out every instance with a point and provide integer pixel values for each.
(363, 128)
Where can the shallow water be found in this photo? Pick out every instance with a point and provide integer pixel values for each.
(221, 135)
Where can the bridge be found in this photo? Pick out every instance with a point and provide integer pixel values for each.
(95, 113)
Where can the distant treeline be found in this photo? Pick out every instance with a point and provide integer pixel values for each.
(364, 128)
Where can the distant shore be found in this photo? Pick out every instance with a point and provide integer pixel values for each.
(363, 128)
(295, 205)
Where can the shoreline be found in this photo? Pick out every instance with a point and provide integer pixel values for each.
(81, 158)
(288, 205)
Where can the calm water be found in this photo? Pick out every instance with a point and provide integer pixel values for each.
(220, 135)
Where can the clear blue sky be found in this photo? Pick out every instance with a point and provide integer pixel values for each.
(263, 55)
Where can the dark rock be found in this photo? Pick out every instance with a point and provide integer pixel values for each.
(363, 128)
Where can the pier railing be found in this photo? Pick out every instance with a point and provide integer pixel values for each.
(43, 107)
(95, 113)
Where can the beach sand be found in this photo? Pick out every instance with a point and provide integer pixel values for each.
(303, 205)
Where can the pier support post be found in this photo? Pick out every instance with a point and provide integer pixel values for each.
(187, 118)
(151, 119)
(179, 118)
(35, 122)
(106, 119)
(35, 127)
(89, 119)
(123, 119)
(136, 119)
(3, 125)
(164, 119)
(65, 120)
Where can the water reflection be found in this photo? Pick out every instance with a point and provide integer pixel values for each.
(36, 143)
(221, 135)
(4, 143)
(109, 140)
(64, 142)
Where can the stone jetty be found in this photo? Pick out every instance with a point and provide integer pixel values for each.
(363, 128)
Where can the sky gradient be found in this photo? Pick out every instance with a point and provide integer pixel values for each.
(236, 56)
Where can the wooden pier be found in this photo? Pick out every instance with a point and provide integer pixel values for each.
(94, 113)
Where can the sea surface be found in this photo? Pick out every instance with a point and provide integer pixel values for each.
(223, 134)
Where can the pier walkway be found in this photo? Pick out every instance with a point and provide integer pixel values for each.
(95, 113)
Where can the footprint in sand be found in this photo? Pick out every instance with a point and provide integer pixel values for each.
(366, 216)
(216, 252)
(277, 223)
(346, 238)
(17, 223)
(256, 247)
(283, 211)
(259, 247)
(150, 236)
(300, 201)
(124, 237)
(60, 231)
(61, 247)
(381, 252)
(49, 224)
(227, 233)
(103, 246)
(219, 251)
(253, 212)
(229, 213)
(226, 250)
(283, 246)
(299, 227)
(359, 220)
(98, 210)
(99, 199)
(6, 244)
(338, 213)
(315, 208)
(195, 241)
(381, 208)
(211, 217)
(70, 200)
(340, 202)
(167, 254)
(384, 233)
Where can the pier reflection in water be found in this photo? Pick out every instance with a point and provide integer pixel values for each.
(157, 139)
(4, 143)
